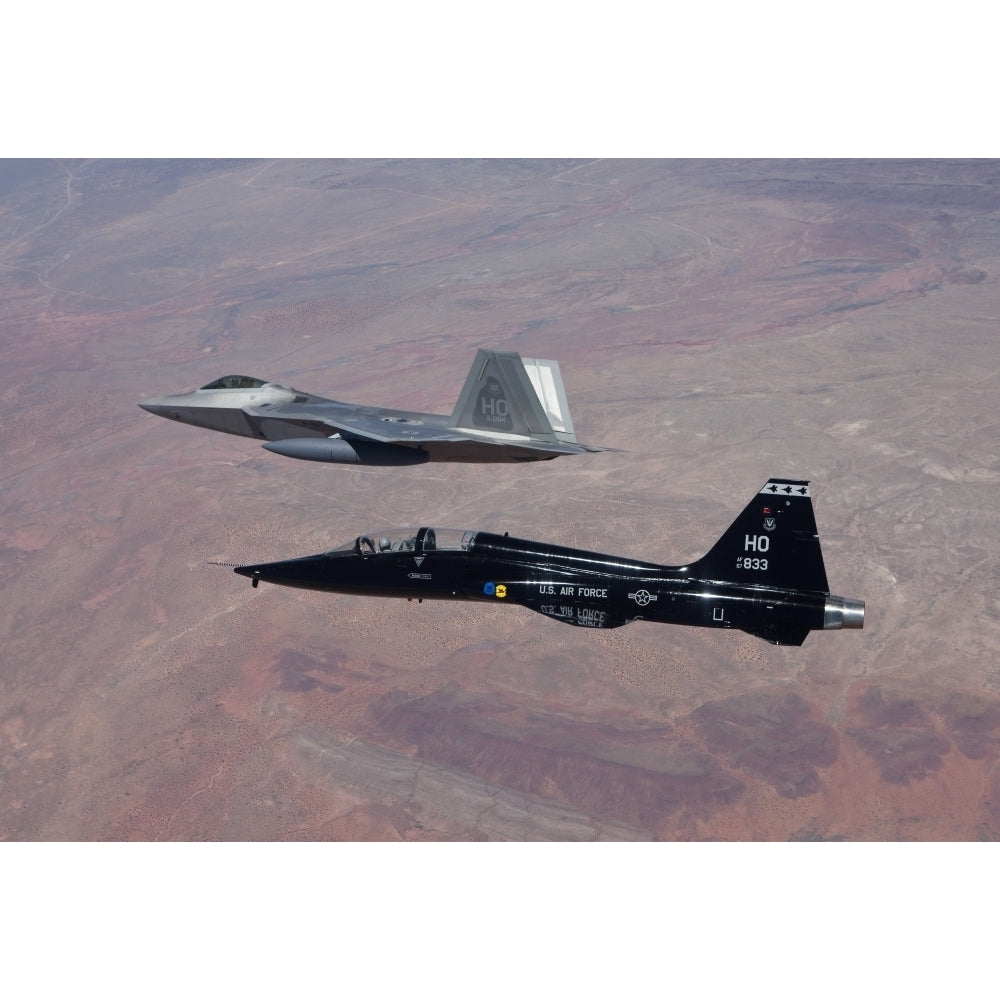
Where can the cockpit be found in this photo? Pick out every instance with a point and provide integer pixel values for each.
(236, 382)
(408, 540)
(248, 391)
(229, 404)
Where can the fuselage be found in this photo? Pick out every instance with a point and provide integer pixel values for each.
(574, 586)
(305, 426)
(271, 412)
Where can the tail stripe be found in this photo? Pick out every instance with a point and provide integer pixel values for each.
(786, 487)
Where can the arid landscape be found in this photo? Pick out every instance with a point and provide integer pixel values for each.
(720, 322)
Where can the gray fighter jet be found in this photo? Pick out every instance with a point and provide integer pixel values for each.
(511, 409)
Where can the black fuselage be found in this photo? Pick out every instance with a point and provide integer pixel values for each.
(765, 574)
(574, 586)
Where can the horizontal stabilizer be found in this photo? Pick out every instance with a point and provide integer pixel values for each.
(779, 636)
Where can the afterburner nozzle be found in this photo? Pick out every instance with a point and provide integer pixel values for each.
(843, 612)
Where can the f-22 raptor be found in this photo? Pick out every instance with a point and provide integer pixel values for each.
(511, 409)
(765, 575)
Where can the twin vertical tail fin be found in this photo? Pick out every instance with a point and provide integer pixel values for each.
(507, 394)
(773, 543)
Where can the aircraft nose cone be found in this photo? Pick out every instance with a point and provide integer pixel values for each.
(306, 572)
(155, 405)
(251, 571)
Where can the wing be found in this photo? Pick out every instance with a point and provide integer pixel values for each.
(298, 431)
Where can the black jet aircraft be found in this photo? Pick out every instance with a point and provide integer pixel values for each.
(512, 409)
(765, 575)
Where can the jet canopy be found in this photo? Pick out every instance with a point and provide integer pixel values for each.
(238, 391)
(418, 541)
(236, 382)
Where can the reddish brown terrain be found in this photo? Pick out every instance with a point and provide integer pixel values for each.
(721, 322)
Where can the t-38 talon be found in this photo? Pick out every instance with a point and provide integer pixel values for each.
(765, 575)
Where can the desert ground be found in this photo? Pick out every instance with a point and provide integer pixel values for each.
(720, 322)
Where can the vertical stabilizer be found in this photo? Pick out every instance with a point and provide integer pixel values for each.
(548, 386)
(773, 543)
(503, 394)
